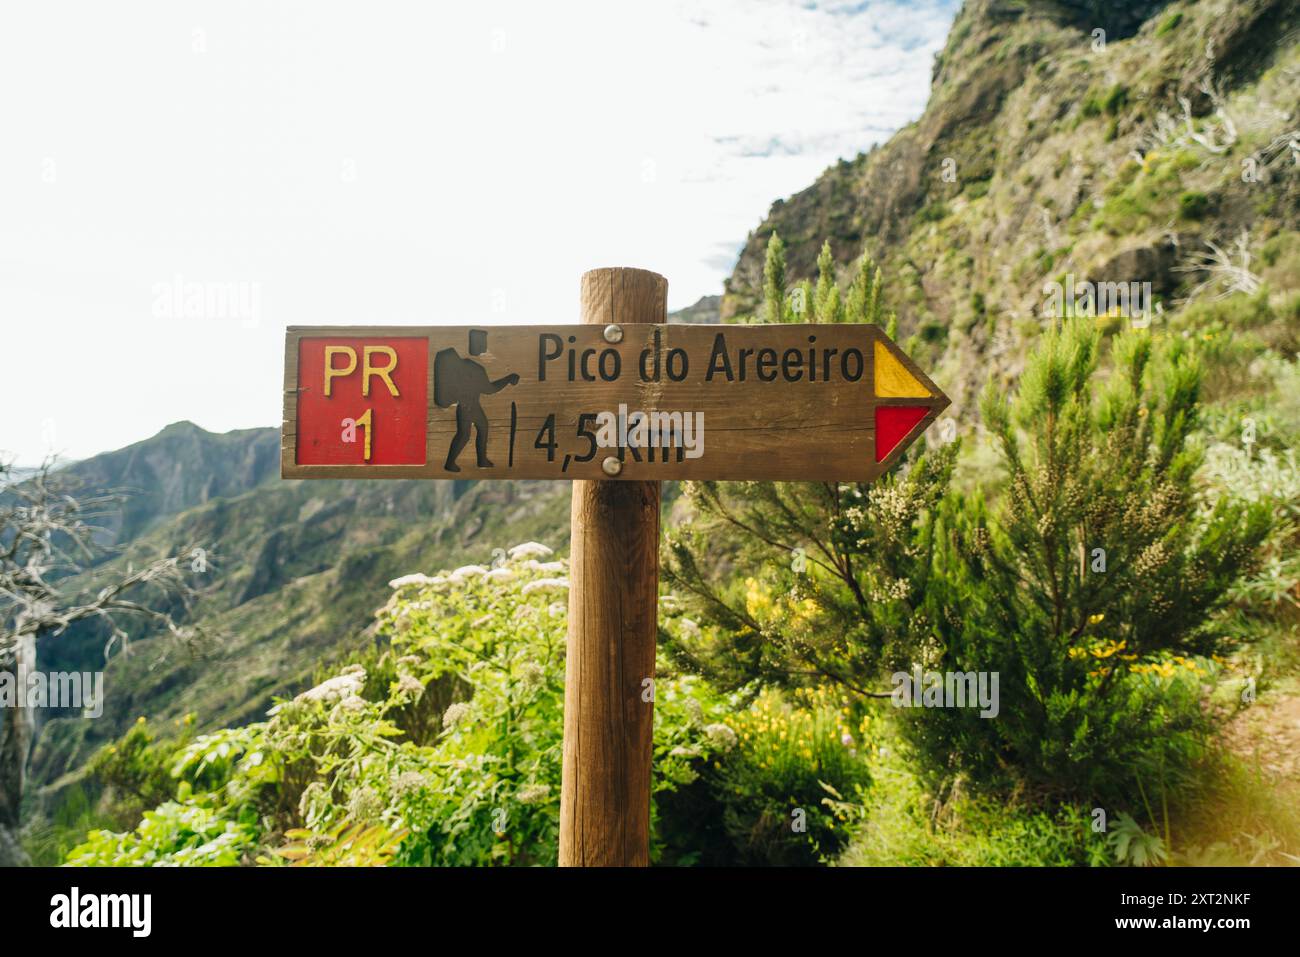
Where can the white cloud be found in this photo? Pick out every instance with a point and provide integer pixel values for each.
(396, 163)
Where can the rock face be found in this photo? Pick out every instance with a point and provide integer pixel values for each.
(1119, 19)
(1043, 153)
(1154, 264)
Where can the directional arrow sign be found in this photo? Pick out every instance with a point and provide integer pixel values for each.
(637, 401)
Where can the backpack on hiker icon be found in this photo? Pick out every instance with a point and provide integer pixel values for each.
(448, 370)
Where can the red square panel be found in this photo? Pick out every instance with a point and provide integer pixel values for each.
(362, 375)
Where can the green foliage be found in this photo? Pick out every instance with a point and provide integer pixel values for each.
(826, 304)
(1193, 205)
(830, 573)
(173, 834)
(933, 212)
(866, 302)
(1132, 845)
(1091, 591)
(899, 822)
(48, 842)
(774, 280)
(137, 769)
(1110, 101)
(823, 302)
(1143, 195)
(355, 771)
(817, 575)
(790, 757)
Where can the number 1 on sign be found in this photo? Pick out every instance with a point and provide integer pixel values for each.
(350, 427)
(365, 420)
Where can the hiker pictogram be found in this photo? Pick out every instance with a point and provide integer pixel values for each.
(463, 382)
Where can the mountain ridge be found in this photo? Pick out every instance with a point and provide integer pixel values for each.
(1041, 153)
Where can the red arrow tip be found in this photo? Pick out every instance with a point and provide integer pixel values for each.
(893, 422)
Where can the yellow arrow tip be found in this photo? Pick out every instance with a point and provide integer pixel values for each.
(892, 378)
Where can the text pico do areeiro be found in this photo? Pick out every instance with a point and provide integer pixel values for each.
(27, 688)
(76, 910)
(815, 363)
(683, 430)
(951, 689)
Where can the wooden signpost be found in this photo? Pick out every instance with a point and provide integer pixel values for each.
(617, 404)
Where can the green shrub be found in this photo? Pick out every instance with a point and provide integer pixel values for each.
(932, 332)
(933, 212)
(1143, 195)
(790, 757)
(900, 823)
(1110, 101)
(173, 834)
(1193, 205)
(353, 772)
(1169, 23)
(137, 768)
(1090, 591)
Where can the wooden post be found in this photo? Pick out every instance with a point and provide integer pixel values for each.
(613, 617)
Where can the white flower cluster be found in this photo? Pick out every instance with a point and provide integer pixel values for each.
(895, 589)
(721, 736)
(528, 550)
(409, 782)
(546, 585)
(531, 676)
(410, 686)
(416, 579)
(455, 715)
(533, 793)
(525, 556)
(546, 568)
(346, 685)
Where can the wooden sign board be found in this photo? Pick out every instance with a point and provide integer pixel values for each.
(639, 401)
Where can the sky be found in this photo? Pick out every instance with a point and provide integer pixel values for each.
(179, 181)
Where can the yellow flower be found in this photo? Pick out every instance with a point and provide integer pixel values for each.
(1108, 648)
(757, 601)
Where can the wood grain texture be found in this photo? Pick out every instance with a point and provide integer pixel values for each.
(613, 616)
(806, 429)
